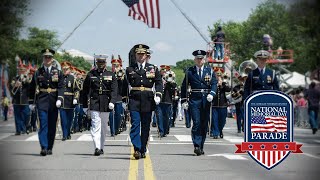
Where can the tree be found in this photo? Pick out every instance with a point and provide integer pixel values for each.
(184, 64)
(294, 28)
(78, 62)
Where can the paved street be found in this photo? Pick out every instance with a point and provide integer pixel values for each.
(168, 158)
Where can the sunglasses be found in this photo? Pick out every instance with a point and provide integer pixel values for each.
(48, 57)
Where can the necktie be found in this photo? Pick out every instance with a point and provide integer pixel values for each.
(140, 67)
(47, 71)
(261, 72)
(200, 72)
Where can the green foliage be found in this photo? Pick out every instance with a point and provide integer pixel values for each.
(184, 64)
(78, 62)
(179, 75)
(294, 28)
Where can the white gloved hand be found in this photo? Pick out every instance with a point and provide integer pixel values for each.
(111, 106)
(124, 105)
(209, 97)
(157, 100)
(75, 101)
(58, 103)
(185, 105)
(176, 97)
(31, 107)
(85, 110)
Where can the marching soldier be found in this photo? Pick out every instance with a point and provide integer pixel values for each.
(32, 123)
(115, 117)
(46, 86)
(219, 107)
(100, 92)
(203, 88)
(68, 100)
(261, 78)
(142, 76)
(165, 106)
(237, 93)
(77, 121)
(20, 90)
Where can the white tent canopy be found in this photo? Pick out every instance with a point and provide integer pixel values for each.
(295, 80)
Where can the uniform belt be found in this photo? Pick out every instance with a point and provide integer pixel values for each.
(200, 90)
(68, 93)
(141, 89)
(101, 91)
(48, 90)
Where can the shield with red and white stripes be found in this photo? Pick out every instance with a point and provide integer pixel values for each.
(268, 119)
(269, 159)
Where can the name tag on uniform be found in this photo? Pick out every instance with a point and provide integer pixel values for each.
(108, 78)
(69, 84)
(255, 77)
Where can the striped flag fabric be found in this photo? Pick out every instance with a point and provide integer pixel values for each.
(269, 124)
(269, 158)
(147, 11)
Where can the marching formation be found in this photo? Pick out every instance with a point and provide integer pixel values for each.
(140, 95)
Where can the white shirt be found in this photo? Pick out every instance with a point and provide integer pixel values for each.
(200, 69)
(49, 68)
(143, 65)
(263, 70)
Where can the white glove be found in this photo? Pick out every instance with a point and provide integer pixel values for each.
(31, 107)
(75, 101)
(209, 97)
(157, 100)
(111, 106)
(124, 105)
(58, 103)
(85, 110)
(185, 105)
(176, 97)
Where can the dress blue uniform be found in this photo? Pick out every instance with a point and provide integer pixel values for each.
(203, 84)
(261, 78)
(219, 110)
(47, 83)
(116, 116)
(69, 99)
(165, 108)
(20, 101)
(141, 77)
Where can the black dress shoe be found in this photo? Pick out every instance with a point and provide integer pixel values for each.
(314, 130)
(202, 152)
(17, 134)
(154, 125)
(136, 155)
(221, 134)
(197, 151)
(143, 155)
(49, 152)
(101, 151)
(215, 137)
(64, 138)
(239, 131)
(97, 152)
(69, 137)
(43, 152)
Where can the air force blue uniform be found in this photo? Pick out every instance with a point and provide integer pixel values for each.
(198, 104)
(258, 81)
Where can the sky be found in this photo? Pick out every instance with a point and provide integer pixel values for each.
(109, 30)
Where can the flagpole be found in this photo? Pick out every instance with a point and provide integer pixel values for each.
(191, 22)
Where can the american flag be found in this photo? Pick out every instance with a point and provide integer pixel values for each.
(269, 124)
(145, 10)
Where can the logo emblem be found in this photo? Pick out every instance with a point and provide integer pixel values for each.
(269, 121)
